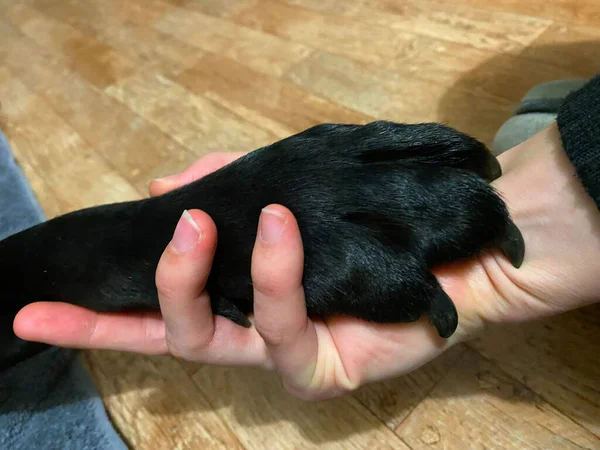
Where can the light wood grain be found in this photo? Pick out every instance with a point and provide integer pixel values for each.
(337, 34)
(393, 400)
(259, 51)
(161, 398)
(57, 153)
(386, 94)
(559, 10)
(95, 115)
(268, 102)
(139, 44)
(556, 358)
(201, 124)
(265, 415)
(94, 60)
(485, 29)
(477, 406)
(100, 97)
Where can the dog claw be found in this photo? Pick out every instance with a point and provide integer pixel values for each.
(443, 314)
(495, 169)
(513, 245)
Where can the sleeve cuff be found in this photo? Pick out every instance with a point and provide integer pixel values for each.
(579, 126)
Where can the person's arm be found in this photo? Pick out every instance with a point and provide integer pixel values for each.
(579, 127)
(320, 359)
(551, 184)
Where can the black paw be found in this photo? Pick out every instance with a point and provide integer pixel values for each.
(378, 206)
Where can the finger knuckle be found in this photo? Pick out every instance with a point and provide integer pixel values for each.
(189, 351)
(270, 282)
(272, 334)
(165, 283)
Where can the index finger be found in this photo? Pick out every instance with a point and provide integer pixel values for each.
(71, 326)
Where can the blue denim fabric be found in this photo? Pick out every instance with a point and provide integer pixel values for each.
(47, 401)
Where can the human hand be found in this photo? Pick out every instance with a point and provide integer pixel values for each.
(320, 359)
(560, 224)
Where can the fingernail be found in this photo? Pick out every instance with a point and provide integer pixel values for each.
(163, 179)
(272, 225)
(187, 233)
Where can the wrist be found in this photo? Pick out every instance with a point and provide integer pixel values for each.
(560, 224)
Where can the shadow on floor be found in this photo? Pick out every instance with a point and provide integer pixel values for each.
(505, 78)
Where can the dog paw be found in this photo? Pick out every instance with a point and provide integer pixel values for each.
(378, 207)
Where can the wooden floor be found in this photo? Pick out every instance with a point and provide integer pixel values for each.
(99, 97)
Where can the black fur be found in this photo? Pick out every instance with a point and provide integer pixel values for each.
(378, 206)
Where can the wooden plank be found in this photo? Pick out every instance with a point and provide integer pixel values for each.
(580, 11)
(393, 400)
(263, 414)
(368, 43)
(557, 359)
(389, 95)
(195, 122)
(56, 153)
(261, 52)
(484, 29)
(52, 204)
(34, 121)
(502, 78)
(135, 147)
(95, 61)
(376, 31)
(7, 37)
(41, 68)
(158, 403)
(93, 14)
(266, 101)
(465, 57)
(477, 406)
(218, 8)
(126, 28)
